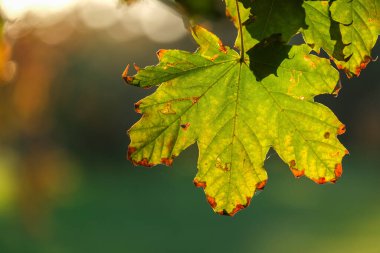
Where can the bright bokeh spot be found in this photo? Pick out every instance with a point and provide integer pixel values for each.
(147, 17)
(99, 14)
(160, 23)
(15, 9)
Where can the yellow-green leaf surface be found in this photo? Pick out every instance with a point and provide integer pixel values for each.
(359, 22)
(346, 29)
(212, 98)
(319, 34)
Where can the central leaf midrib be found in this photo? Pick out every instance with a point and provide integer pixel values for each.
(234, 131)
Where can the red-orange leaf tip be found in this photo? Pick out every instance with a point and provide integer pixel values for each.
(211, 201)
(199, 184)
(261, 185)
(341, 129)
(161, 53)
(338, 170)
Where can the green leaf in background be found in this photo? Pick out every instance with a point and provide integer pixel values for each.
(319, 34)
(213, 98)
(263, 18)
(346, 29)
(360, 26)
(276, 17)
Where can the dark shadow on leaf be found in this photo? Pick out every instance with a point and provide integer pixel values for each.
(336, 35)
(296, 40)
(266, 56)
(270, 17)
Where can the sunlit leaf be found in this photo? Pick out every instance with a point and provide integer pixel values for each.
(212, 98)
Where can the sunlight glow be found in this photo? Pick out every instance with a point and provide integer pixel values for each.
(149, 18)
(15, 9)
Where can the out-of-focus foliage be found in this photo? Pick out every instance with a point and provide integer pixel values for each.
(7, 67)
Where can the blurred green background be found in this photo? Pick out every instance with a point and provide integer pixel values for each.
(66, 187)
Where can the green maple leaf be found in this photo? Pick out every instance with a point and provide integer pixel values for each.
(213, 98)
(346, 29)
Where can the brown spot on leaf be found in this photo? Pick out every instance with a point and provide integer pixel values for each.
(131, 150)
(236, 209)
(185, 126)
(248, 201)
(167, 161)
(311, 63)
(195, 100)
(327, 135)
(168, 109)
(223, 166)
(297, 173)
(211, 201)
(137, 107)
(363, 65)
(200, 184)
(224, 212)
(160, 53)
(341, 129)
(214, 57)
(144, 162)
(339, 66)
(338, 170)
(261, 185)
(320, 180)
(222, 48)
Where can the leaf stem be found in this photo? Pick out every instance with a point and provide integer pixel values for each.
(241, 33)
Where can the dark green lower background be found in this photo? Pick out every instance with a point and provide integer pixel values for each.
(159, 210)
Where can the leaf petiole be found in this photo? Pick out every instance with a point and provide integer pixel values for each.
(241, 33)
